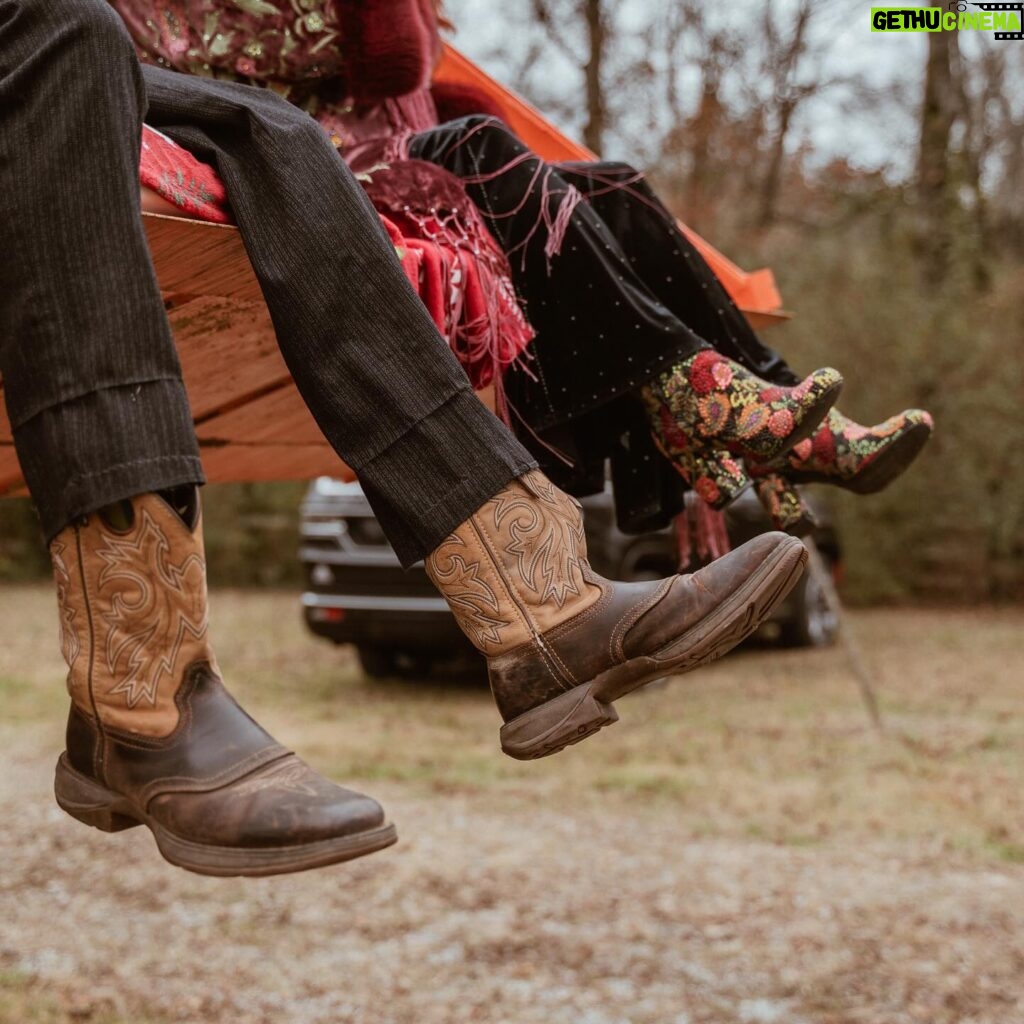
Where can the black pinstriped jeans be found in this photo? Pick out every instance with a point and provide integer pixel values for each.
(91, 377)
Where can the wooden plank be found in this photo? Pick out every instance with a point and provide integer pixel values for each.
(228, 352)
(5, 423)
(10, 471)
(280, 417)
(198, 258)
(249, 463)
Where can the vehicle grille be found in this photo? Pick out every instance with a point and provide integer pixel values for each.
(368, 579)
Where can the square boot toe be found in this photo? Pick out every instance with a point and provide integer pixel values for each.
(283, 804)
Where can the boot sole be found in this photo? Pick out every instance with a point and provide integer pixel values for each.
(890, 465)
(95, 805)
(573, 716)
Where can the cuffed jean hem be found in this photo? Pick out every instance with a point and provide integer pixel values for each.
(88, 452)
(439, 473)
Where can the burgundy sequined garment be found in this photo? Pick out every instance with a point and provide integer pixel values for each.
(451, 281)
(298, 49)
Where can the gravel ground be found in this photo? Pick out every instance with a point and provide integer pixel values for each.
(541, 896)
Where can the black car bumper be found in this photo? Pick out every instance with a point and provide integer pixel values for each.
(411, 621)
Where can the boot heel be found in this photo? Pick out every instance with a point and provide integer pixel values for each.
(88, 801)
(786, 508)
(557, 723)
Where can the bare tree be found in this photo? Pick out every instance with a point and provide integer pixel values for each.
(994, 144)
(591, 60)
(694, 145)
(597, 39)
(940, 108)
(784, 48)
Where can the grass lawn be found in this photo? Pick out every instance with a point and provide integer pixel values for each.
(742, 846)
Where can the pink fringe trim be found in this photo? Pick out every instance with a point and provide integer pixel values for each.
(700, 532)
(558, 227)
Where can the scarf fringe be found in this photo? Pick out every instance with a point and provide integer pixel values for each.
(701, 533)
(558, 227)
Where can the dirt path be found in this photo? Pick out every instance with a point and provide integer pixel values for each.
(613, 891)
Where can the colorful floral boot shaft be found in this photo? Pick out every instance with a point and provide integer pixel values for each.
(717, 403)
(785, 506)
(713, 474)
(858, 458)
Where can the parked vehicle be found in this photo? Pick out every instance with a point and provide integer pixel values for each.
(357, 593)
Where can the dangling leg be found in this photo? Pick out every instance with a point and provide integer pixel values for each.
(513, 568)
(718, 403)
(859, 458)
(105, 439)
(602, 330)
(382, 385)
(90, 373)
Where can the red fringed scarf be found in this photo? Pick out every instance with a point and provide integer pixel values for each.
(447, 253)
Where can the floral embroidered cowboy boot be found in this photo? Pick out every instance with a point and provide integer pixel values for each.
(718, 404)
(714, 474)
(561, 642)
(849, 455)
(153, 736)
(785, 506)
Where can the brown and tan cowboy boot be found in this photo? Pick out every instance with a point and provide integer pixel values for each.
(153, 736)
(561, 642)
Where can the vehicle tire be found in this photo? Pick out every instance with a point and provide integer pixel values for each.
(377, 662)
(814, 622)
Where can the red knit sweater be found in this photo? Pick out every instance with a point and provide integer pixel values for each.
(395, 45)
(392, 46)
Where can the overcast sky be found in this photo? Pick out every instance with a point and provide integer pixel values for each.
(493, 34)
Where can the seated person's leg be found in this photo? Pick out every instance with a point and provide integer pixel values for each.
(504, 546)
(388, 394)
(610, 321)
(649, 265)
(105, 439)
(91, 377)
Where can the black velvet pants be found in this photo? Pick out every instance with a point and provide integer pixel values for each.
(625, 296)
(90, 374)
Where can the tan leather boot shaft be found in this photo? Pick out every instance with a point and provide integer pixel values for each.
(133, 614)
(517, 568)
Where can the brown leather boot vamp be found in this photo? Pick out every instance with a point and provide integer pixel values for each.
(559, 689)
(563, 643)
(153, 736)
